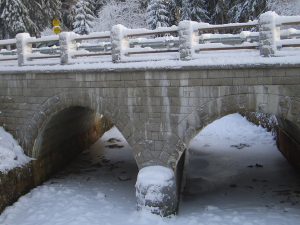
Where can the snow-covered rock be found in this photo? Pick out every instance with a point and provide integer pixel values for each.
(11, 153)
(156, 190)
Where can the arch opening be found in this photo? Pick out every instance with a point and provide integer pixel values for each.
(233, 165)
(63, 136)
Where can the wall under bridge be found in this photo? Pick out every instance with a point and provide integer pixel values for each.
(54, 115)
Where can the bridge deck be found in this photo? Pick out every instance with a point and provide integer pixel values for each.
(207, 61)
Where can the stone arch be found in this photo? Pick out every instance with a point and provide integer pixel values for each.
(268, 100)
(89, 100)
(164, 152)
(211, 110)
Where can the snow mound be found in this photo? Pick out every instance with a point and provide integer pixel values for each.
(156, 190)
(11, 153)
(155, 175)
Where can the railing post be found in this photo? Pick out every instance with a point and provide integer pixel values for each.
(269, 34)
(67, 47)
(23, 48)
(187, 39)
(119, 43)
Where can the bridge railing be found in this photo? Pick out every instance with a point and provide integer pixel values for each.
(196, 38)
(270, 36)
(289, 37)
(6, 53)
(143, 44)
(72, 45)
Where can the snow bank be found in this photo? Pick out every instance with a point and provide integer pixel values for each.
(11, 154)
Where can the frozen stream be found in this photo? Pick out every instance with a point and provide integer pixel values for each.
(235, 176)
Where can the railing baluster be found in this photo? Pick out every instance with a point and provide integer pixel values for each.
(67, 47)
(269, 34)
(187, 39)
(23, 48)
(119, 42)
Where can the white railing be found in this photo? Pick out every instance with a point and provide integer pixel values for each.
(7, 54)
(268, 35)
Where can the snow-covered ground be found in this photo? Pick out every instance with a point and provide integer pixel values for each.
(11, 153)
(235, 176)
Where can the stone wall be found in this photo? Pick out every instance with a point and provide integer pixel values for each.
(157, 111)
(281, 130)
(19, 181)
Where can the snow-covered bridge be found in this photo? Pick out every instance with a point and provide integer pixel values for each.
(57, 112)
(270, 36)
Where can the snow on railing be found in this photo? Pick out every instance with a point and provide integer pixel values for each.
(187, 41)
(72, 46)
(5, 50)
(127, 43)
(197, 37)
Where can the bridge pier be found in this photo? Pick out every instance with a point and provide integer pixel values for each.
(156, 190)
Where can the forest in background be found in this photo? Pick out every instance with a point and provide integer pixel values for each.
(85, 16)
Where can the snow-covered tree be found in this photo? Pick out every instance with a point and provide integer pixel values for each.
(224, 11)
(128, 13)
(52, 8)
(251, 9)
(220, 12)
(186, 10)
(68, 13)
(15, 18)
(173, 12)
(42, 12)
(195, 10)
(158, 14)
(97, 5)
(84, 17)
(284, 7)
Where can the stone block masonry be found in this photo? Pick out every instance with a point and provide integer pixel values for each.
(158, 111)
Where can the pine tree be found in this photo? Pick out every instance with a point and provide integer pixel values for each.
(42, 12)
(199, 11)
(186, 10)
(15, 18)
(220, 15)
(68, 13)
(158, 14)
(173, 12)
(84, 17)
(251, 9)
(52, 8)
(97, 5)
(195, 10)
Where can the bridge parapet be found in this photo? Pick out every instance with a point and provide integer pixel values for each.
(187, 41)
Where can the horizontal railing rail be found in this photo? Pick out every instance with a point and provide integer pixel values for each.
(268, 35)
(6, 54)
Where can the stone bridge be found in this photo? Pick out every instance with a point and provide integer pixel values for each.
(55, 115)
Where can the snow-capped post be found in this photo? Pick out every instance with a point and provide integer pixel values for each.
(23, 48)
(269, 34)
(156, 190)
(119, 43)
(67, 46)
(186, 39)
